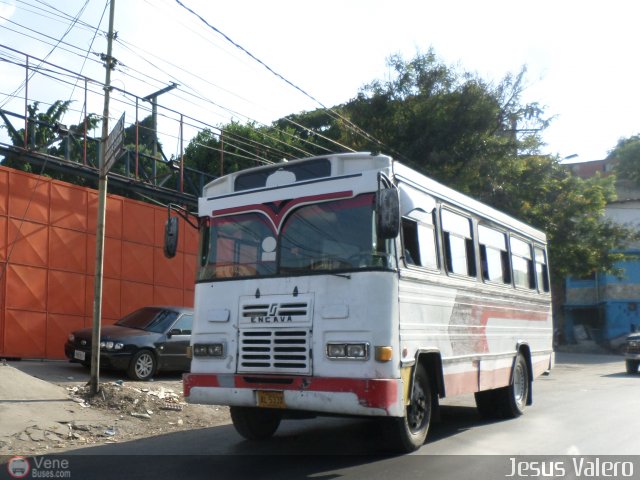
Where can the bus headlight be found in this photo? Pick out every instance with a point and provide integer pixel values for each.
(357, 350)
(215, 350)
(351, 351)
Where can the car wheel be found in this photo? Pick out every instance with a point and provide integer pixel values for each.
(632, 366)
(255, 423)
(410, 431)
(142, 366)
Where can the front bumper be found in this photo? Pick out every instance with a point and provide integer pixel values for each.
(345, 396)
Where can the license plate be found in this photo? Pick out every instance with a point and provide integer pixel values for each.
(270, 399)
(79, 355)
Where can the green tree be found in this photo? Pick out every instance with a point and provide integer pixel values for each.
(571, 210)
(481, 139)
(239, 146)
(627, 151)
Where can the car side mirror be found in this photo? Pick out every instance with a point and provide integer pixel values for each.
(174, 331)
(171, 237)
(388, 213)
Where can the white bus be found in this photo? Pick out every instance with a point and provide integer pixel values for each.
(351, 284)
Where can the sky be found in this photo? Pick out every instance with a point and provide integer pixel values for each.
(581, 58)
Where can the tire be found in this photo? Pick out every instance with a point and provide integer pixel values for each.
(408, 433)
(632, 366)
(143, 365)
(255, 423)
(511, 401)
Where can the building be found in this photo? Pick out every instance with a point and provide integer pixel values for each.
(589, 169)
(604, 307)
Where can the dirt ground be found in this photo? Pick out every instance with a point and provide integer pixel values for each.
(122, 411)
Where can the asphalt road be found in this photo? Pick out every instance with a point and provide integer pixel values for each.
(588, 406)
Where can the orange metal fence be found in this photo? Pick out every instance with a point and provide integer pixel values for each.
(47, 262)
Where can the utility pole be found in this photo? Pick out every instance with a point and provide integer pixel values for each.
(102, 203)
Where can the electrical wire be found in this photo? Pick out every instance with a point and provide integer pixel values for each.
(24, 82)
(237, 140)
(44, 42)
(56, 12)
(126, 45)
(95, 34)
(200, 97)
(350, 124)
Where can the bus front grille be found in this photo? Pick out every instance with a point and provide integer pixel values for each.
(275, 351)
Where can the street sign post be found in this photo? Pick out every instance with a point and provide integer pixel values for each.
(115, 145)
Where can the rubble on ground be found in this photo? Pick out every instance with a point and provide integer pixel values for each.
(127, 411)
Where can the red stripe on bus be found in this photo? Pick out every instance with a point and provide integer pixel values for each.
(482, 315)
(276, 217)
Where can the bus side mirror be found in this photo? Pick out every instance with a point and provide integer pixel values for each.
(388, 213)
(171, 237)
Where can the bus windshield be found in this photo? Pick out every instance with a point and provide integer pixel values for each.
(332, 236)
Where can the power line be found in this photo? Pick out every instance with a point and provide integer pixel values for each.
(348, 123)
(127, 71)
(22, 85)
(53, 73)
(43, 41)
(252, 56)
(97, 29)
(56, 12)
(199, 96)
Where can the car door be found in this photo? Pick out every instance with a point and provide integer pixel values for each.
(174, 351)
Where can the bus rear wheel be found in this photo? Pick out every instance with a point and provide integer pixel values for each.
(408, 433)
(512, 400)
(255, 423)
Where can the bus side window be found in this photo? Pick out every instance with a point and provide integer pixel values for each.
(410, 238)
(542, 271)
(418, 233)
(522, 261)
(428, 245)
(458, 244)
(493, 255)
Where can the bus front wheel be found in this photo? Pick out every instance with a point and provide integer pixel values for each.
(255, 423)
(408, 433)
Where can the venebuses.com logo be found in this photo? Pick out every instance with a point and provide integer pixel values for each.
(38, 467)
(18, 467)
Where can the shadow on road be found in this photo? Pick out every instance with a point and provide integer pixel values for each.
(621, 375)
(455, 420)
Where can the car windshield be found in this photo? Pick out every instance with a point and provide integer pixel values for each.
(332, 236)
(156, 320)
